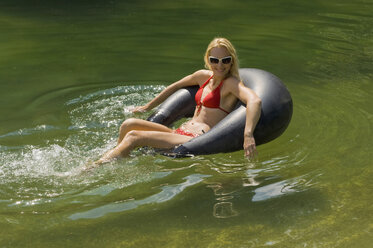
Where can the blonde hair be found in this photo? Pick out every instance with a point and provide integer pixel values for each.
(223, 42)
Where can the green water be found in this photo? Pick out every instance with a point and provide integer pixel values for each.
(70, 71)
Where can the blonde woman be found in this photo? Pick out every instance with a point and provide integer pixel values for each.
(220, 88)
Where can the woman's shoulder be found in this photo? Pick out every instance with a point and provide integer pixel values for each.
(231, 84)
(232, 80)
(202, 75)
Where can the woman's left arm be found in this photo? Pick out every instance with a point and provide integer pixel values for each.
(253, 110)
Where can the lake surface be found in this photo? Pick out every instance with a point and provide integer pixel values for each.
(70, 72)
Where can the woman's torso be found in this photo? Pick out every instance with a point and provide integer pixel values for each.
(205, 118)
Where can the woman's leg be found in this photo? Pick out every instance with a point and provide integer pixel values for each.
(141, 125)
(136, 138)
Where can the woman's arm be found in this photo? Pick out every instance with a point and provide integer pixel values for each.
(253, 110)
(192, 79)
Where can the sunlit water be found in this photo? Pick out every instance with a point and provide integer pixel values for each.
(67, 92)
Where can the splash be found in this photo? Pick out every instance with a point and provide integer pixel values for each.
(54, 165)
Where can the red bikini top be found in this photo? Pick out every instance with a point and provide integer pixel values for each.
(212, 100)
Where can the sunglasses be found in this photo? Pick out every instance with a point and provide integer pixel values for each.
(225, 60)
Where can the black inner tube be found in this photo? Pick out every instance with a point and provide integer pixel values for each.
(227, 135)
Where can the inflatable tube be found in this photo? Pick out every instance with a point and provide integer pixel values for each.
(227, 135)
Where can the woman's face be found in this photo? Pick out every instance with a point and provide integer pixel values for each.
(221, 68)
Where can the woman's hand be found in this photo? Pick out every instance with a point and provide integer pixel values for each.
(249, 146)
(140, 109)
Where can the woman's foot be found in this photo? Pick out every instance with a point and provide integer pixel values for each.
(90, 166)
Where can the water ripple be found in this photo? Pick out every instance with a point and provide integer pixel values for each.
(166, 194)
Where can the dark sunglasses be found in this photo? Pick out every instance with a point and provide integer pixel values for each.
(225, 60)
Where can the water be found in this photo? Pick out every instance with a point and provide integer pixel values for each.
(70, 72)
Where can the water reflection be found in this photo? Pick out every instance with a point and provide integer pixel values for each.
(275, 190)
(237, 184)
(224, 209)
(166, 194)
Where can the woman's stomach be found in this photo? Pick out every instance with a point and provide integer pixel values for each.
(204, 121)
(195, 127)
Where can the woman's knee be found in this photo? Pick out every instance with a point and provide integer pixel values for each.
(133, 137)
(128, 124)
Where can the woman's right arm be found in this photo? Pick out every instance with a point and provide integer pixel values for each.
(192, 79)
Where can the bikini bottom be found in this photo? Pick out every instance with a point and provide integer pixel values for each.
(186, 133)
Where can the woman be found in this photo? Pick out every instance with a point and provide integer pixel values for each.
(220, 88)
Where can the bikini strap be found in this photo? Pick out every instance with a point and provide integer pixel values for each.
(221, 83)
(223, 110)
